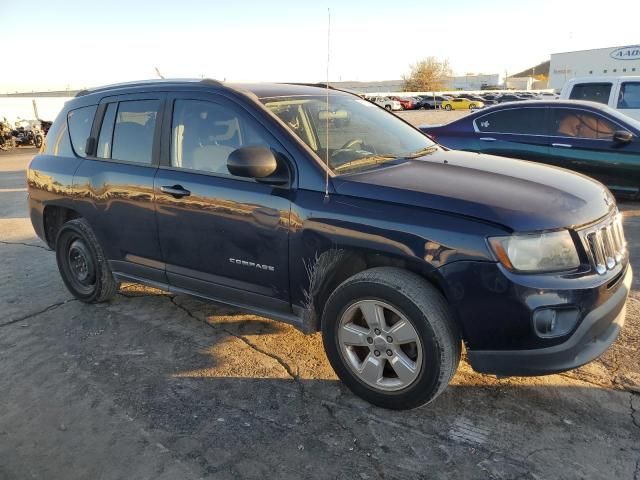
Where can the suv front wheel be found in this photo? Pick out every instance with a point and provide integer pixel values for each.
(390, 338)
(82, 263)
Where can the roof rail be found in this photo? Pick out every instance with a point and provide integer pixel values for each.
(324, 85)
(142, 83)
(212, 81)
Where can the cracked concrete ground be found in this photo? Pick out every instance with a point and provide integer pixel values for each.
(161, 386)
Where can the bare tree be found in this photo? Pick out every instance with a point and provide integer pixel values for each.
(427, 75)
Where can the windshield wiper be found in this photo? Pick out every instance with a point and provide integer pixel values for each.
(361, 162)
(424, 151)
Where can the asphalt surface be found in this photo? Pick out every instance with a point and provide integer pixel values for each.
(157, 386)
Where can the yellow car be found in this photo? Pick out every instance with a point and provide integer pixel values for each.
(461, 104)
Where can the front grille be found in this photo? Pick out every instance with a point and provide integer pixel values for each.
(605, 244)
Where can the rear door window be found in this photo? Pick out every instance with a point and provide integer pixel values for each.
(593, 92)
(134, 130)
(629, 95)
(521, 121)
(80, 121)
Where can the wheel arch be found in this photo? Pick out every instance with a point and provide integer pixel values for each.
(327, 270)
(53, 218)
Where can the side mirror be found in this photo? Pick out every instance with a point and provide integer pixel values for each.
(622, 136)
(257, 162)
(252, 162)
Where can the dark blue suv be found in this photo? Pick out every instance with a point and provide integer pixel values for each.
(312, 206)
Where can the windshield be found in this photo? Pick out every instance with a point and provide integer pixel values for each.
(354, 133)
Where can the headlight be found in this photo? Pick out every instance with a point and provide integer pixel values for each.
(540, 252)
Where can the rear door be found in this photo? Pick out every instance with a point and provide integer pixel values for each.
(518, 132)
(114, 184)
(582, 140)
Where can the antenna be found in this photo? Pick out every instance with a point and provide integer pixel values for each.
(326, 178)
(158, 73)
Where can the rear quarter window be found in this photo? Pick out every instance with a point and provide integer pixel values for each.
(80, 121)
(593, 92)
(57, 142)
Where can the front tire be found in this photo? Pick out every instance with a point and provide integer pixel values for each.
(472, 106)
(387, 107)
(390, 338)
(447, 107)
(82, 264)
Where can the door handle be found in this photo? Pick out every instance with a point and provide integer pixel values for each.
(487, 139)
(176, 191)
(561, 145)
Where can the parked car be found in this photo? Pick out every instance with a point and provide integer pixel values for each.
(387, 103)
(397, 250)
(620, 93)
(405, 103)
(583, 136)
(548, 96)
(461, 103)
(427, 102)
(510, 97)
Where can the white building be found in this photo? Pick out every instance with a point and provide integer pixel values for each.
(473, 81)
(613, 61)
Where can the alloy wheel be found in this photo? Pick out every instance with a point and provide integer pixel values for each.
(380, 345)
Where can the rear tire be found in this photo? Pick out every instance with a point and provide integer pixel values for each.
(390, 338)
(447, 107)
(82, 264)
(387, 107)
(472, 106)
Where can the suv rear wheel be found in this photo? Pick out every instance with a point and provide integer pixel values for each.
(82, 263)
(390, 338)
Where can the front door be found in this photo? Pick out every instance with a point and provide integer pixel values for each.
(222, 236)
(582, 140)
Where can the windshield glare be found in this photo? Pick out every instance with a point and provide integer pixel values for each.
(354, 133)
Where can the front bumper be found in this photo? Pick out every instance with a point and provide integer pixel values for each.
(595, 334)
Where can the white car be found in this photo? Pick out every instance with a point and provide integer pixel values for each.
(387, 103)
(621, 93)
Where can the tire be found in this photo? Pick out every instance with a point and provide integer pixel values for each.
(351, 342)
(472, 106)
(37, 141)
(387, 107)
(82, 264)
(447, 107)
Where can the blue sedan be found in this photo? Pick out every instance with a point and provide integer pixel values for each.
(586, 137)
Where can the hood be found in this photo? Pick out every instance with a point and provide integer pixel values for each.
(522, 196)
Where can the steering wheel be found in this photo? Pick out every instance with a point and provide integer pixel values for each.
(352, 143)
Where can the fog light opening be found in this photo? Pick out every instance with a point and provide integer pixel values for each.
(554, 322)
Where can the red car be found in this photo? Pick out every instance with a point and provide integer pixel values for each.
(407, 103)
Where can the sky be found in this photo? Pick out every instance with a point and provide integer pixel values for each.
(83, 43)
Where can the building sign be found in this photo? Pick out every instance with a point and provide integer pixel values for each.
(626, 53)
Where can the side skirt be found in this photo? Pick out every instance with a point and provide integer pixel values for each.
(294, 319)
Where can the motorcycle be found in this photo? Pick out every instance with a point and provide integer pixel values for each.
(7, 141)
(28, 133)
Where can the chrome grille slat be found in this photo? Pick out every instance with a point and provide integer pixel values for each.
(604, 243)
